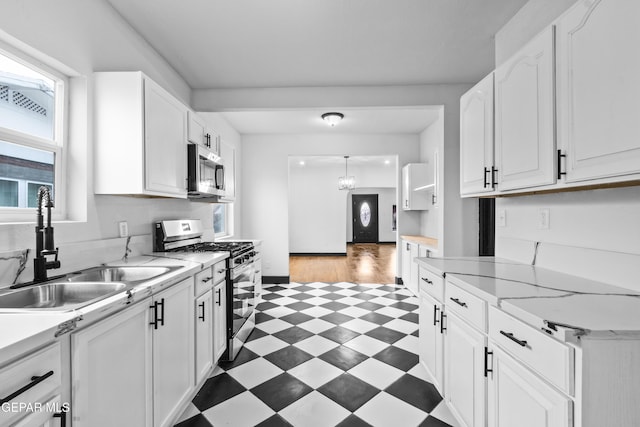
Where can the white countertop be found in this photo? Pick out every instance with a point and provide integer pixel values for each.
(22, 332)
(539, 296)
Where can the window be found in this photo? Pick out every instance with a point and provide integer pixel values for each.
(221, 220)
(31, 135)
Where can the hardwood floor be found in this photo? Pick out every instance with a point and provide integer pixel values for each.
(364, 263)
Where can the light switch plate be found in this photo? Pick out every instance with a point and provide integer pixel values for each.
(123, 227)
(501, 218)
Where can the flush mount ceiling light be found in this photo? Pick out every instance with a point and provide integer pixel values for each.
(346, 182)
(332, 118)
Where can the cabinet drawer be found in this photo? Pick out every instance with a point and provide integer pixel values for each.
(204, 281)
(552, 359)
(469, 307)
(431, 284)
(37, 376)
(219, 272)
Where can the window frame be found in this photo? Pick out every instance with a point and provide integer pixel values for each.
(56, 145)
(228, 222)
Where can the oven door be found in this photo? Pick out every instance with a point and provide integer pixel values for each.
(244, 297)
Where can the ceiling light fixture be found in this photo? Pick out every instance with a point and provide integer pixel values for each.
(346, 182)
(332, 118)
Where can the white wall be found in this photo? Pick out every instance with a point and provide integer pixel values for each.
(265, 194)
(593, 234)
(78, 38)
(387, 198)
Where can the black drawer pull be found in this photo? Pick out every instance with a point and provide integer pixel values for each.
(486, 361)
(161, 318)
(63, 418)
(154, 322)
(442, 316)
(435, 315)
(457, 301)
(219, 296)
(34, 382)
(424, 279)
(206, 279)
(514, 339)
(486, 177)
(201, 305)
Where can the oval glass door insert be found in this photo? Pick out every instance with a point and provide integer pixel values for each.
(365, 214)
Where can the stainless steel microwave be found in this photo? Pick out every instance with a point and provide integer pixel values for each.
(205, 173)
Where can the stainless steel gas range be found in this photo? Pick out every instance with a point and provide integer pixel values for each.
(186, 236)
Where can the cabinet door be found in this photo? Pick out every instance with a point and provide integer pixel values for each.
(413, 268)
(524, 116)
(476, 138)
(164, 143)
(406, 262)
(465, 384)
(196, 129)
(53, 415)
(431, 342)
(598, 89)
(517, 397)
(219, 320)
(228, 154)
(204, 334)
(173, 350)
(111, 371)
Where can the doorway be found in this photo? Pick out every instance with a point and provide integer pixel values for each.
(365, 218)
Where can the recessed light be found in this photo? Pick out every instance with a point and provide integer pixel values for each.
(301, 162)
(386, 162)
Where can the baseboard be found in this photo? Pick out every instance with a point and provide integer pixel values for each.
(399, 281)
(275, 280)
(317, 254)
(386, 243)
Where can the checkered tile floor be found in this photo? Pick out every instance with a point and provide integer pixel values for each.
(324, 354)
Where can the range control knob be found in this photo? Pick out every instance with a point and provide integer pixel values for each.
(238, 260)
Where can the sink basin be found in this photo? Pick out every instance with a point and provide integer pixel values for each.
(59, 296)
(127, 274)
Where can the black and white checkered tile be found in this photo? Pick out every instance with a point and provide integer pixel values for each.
(322, 354)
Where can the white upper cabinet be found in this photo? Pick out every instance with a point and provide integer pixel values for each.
(599, 89)
(140, 134)
(524, 116)
(199, 133)
(228, 154)
(415, 180)
(476, 139)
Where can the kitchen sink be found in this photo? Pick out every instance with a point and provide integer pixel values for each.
(59, 296)
(127, 274)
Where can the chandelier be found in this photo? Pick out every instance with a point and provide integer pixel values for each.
(346, 182)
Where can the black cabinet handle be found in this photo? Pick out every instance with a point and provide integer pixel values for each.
(206, 279)
(457, 301)
(161, 317)
(424, 279)
(514, 339)
(201, 305)
(63, 418)
(486, 361)
(560, 156)
(219, 291)
(442, 317)
(154, 322)
(487, 171)
(35, 380)
(494, 181)
(435, 315)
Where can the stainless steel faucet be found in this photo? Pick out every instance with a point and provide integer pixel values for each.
(44, 239)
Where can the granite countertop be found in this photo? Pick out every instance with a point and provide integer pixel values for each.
(22, 331)
(543, 298)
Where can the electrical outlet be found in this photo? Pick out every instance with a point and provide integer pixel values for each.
(501, 218)
(543, 219)
(123, 227)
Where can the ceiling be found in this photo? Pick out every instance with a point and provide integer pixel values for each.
(356, 121)
(354, 161)
(293, 43)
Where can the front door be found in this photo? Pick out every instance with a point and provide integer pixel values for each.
(365, 218)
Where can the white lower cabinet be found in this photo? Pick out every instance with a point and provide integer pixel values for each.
(136, 367)
(219, 320)
(204, 334)
(47, 417)
(111, 368)
(410, 268)
(431, 342)
(464, 381)
(517, 397)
